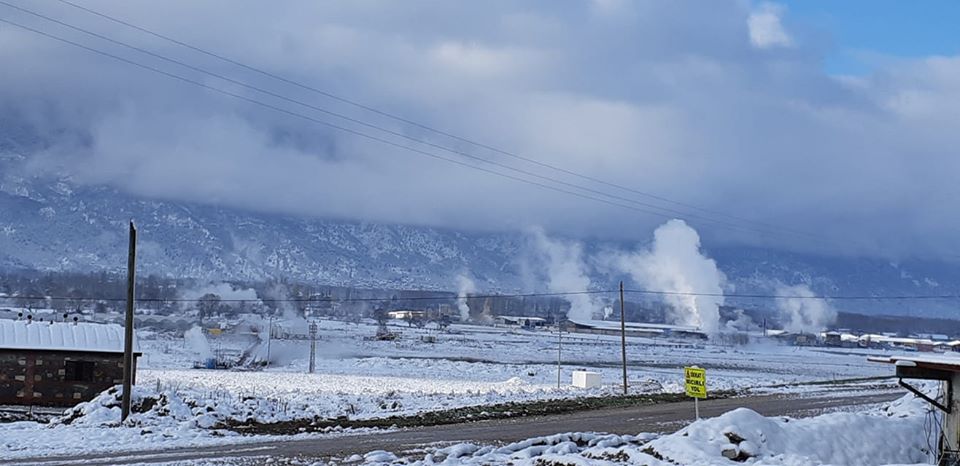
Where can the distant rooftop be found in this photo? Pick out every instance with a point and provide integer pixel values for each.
(522, 318)
(943, 362)
(62, 336)
(615, 325)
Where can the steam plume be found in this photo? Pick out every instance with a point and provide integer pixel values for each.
(675, 263)
(465, 286)
(566, 272)
(198, 342)
(803, 314)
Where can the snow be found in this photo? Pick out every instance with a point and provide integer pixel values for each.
(62, 336)
(468, 366)
(615, 325)
(893, 434)
(285, 396)
(946, 359)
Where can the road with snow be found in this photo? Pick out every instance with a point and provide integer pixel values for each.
(665, 417)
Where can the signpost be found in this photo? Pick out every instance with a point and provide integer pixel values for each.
(695, 383)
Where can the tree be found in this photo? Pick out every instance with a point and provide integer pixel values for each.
(208, 305)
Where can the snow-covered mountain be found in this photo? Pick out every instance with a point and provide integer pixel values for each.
(55, 225)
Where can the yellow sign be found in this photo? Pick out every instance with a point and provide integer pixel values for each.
(695, 382)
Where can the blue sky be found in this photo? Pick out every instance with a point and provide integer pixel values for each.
(859, 31)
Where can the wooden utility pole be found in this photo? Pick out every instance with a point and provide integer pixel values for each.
(128, 328)
(623, 338)
(269, 338)
(559, 349)
(313, 346)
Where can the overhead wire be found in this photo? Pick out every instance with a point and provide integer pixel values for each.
(666, 212)
(617, 201)
(440, 296)
(327, 123)
(407, 121)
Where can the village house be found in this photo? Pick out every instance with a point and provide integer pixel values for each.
(59, 363)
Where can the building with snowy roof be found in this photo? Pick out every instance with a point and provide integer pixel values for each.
(634, 329)
(59, 363)
(520, 321)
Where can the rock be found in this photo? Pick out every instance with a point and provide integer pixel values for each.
(730, 451)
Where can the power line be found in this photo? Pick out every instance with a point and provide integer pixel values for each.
(777, 296)
(670, 213)
(667, 212)
(411, 122)
(320, 299)
(450, 296)
(328, 124)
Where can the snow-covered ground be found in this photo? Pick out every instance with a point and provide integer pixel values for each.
(363, 379)
(893, 434)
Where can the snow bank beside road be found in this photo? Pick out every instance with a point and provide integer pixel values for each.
(890, 435)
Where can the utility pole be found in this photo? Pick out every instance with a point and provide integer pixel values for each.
(269, 337)
(559, 348)
(313, 346)
(128, 328)
(623, 338)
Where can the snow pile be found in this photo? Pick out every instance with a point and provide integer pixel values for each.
(166, 412)
(559, 448)
(890, 435)
(894, 435)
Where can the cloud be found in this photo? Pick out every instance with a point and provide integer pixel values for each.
(661, 97)
(766, 29)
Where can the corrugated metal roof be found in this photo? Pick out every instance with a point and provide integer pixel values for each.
(615, 325)
(62, 336)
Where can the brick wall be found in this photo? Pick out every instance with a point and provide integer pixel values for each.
(56, 378)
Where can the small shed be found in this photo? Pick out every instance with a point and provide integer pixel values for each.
(59, 363)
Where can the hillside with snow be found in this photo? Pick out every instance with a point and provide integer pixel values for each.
(51, 224)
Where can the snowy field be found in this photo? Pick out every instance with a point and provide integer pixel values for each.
(488, 354)
(364, 379)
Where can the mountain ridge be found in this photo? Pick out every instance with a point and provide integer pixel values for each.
(54, 225)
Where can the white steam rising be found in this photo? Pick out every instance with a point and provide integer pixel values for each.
(566, 272)
(607, 312)
(675, 263)
(803, 313)
(742, 322)
(198, 342)
(465, 286)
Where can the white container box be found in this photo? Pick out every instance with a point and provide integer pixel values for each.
(586, 379)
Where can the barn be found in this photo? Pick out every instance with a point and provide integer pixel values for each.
(59, 363)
